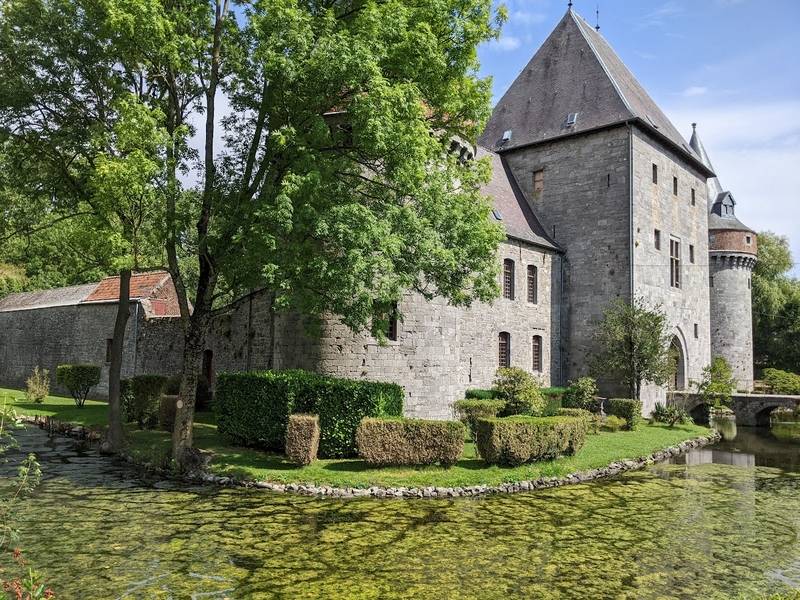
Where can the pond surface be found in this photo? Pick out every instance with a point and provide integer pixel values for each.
(724, 524)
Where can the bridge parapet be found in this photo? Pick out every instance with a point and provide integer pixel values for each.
(750, 409)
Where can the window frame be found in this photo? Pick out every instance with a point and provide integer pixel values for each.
(537, 347)
(674, 185)
(533, 284)
(655, 173)
(504, 344)
(657, 239)
(694, 197)
(675, 273)
(509, 275)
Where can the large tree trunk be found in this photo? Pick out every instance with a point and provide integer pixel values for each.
(115, 433)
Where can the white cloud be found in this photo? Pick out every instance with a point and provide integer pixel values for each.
(694, 90)
(657, 17)
(755, 150)
(523, 17)
(506, 43)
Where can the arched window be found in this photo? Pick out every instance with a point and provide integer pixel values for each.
(536, 352)
(508, 279)
(504, 349)
(391, 333)
(533, 284)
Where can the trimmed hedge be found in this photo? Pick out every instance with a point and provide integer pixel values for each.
(253, 408)
(630, 410)
(592, 419)
(554, 398)
(514, 441)
(147, 390)
(470, 410)
(79, 380)
(385, 442)
(782, 382)
(167, 408)
(302, 439)
(477, 394)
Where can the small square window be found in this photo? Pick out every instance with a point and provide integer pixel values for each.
(694, 199)
(657, 239)
(655, 173)
(691, 253)
(675, 186)
(696, 331)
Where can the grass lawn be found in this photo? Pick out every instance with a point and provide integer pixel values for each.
(600, 450)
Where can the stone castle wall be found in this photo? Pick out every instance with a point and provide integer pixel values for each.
(585, 207)
(655, 206)
(732, 316)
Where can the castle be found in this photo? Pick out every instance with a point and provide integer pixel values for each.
(601, 198)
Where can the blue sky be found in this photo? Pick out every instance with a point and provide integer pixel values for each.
(730, 65)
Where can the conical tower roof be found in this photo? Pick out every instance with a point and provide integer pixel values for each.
(575, 83)
(714, 186)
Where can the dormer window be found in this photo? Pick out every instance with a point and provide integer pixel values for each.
(572, 118)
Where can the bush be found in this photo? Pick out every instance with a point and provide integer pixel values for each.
(253, 408)
(146, 391)
(167, 408)
(782, 382)
(302, 439)
(477, 394)
(717, 384)
(582, 394)
(630, 410)
(520, 391)
(592, 419)
(79, 380)
(671, 415)
(517, 440)
(37, 386)
(383, 442)
(613, 423)
(470, 410)
(553, 400)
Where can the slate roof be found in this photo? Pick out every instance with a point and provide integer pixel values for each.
(153, 289)
(713, 184)
(576, 71)
(510, 204)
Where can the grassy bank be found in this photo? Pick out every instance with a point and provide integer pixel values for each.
(599, 451)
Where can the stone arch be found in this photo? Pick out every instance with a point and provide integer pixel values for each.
(699, 413)
(761, 417)
(677, 351)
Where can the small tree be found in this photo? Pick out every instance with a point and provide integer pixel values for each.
(581, 394)
(38, 385)
(633, 345)
(718, 384)
(79, 380)
(520, 390)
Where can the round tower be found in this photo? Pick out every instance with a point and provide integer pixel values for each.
(732, 249)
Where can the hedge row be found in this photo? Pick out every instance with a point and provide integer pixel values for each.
(517, 440)
(387, 442)
(470, 410)
(253, 408)
(630, 410)
(593, 420)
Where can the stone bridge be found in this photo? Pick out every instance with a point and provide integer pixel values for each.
(751, 409)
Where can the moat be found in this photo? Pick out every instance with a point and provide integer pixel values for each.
(723, 524)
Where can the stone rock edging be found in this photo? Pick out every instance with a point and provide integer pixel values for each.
(611, 470)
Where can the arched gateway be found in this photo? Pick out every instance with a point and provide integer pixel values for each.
(677, 357)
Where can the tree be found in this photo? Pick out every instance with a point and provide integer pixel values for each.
(717, 383)
(776, 305)
(633, 345)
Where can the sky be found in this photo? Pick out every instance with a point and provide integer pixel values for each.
(729, 65)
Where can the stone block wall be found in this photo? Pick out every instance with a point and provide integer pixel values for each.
(585, 207)
(656, 206)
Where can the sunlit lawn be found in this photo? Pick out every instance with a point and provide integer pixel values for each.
(600, 450)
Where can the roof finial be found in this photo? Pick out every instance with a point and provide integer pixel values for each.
(597, 27)
(569, 5)
(694, 127)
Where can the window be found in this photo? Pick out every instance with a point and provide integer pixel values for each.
(674, 186)
(386, 317)
(748, 240)
(533, 284)
(655, 173)
(694, 200)
(696, 331)
(675, 263)
(504, 349)
(109, 343)
(536, 353)
(691, 253)
(749, 283)
(538, 184)
(391, 331)
(657, 239)
(608, 180)
(508, 279)
(710, 281)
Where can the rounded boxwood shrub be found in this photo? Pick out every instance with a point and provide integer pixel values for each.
(520, 390)
(253, 408)
(146, 391)
(302, 439)
(625, 408)
(79, 380)
(385, 442)
(470, 410)
(613, 423)
(518, 440)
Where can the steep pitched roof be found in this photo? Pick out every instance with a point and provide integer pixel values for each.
(713, 184)
(576, 72)
(143, 285)
(511, 208)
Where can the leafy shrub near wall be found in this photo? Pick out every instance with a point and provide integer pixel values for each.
(477, 394)
(146, 390)
(630, 410)
(517, 440)
(79, 380)
(397, 441)
(253, 408)
(520, 390)
(470, 410)
(302, 439)
(167, 408)
(37, 386)
(782, 382)
(553, 398)
(582, 394)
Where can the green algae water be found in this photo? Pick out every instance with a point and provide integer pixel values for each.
(723, 524)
